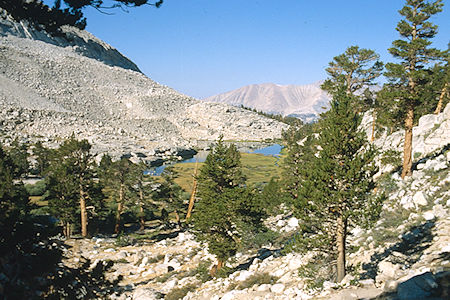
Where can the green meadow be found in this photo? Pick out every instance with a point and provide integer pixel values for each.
(258, 169)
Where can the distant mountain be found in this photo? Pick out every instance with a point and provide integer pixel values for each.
(303, 101)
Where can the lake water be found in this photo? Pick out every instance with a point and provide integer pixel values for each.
(272, 150)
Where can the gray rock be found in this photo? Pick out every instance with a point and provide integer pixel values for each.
(145, 294)
(277, 288)
(418, 287)
(419, 199)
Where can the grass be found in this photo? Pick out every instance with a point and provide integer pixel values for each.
(258, 169)
(179, 293)
(258, 279)
(37, 200)
(163, 278)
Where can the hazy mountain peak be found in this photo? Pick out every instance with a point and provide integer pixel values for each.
(303, 101)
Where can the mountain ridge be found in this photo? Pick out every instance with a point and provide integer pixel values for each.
(51, 89)
(303, 101)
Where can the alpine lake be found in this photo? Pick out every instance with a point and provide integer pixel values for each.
(260, 162)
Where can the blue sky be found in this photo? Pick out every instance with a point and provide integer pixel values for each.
(205, 47)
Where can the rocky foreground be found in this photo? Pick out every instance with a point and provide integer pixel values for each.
(53, 87)
(405, 256)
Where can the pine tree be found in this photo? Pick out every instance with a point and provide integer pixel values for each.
(335, 191)
(299, 145)
(406, 78)
(172, 194)
(356, 70)
(143, 190)
(441, 81)
(118, 179)
(13, 201)
(42, 156)
(225, 210)
(69, 178)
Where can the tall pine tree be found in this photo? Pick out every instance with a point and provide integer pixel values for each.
(406, 77)
(69, 178)
(334, 193)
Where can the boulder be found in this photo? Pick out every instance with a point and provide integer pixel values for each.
(428, 215)
(419, 199)
(295, 263)
(406, 202)
(277, 288)
(145, 294)
(418, 287)
(243, 275)
(293, 222)
(387, 269)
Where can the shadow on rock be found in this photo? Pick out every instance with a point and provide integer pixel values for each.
(412, 245)
(426, 286)
(262, 254)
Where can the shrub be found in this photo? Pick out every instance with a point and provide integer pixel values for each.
(318, 270)
(179, 293)
(37, 189)
(258, 279)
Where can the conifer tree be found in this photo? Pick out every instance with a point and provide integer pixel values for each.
(69, 179)
(441, 81)
(172, 194)
(42, 155)
(356, 69)
(334, 193)
(406, 77)
(142, 188)
(225, 210)
(118, 180)
(13, 201)
(299, 145)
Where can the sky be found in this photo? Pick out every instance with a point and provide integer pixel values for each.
(206, 47)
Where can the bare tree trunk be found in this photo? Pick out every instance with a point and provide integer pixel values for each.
(441, 99)
(141, 209)
(66, 229)
(142, 218)
(119, 209)
(340, 240)
(216, 268)
(177, 218)
(83, 213)
(374, 116)
(407, 147)
(192, 198)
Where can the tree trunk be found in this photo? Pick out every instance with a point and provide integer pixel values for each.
(142, 218)
(66, 229)
(177, 218)
(141, 209)
(441, 99)
(407, 146)
(216, 268)
(119, 209)
(340, 240)
(374, 116)
(192, 198)
(83, 214)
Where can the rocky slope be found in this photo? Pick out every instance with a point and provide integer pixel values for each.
(303, 101)
(406, 255)
(53, 87)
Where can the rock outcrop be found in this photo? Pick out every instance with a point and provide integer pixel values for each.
(53, 87)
